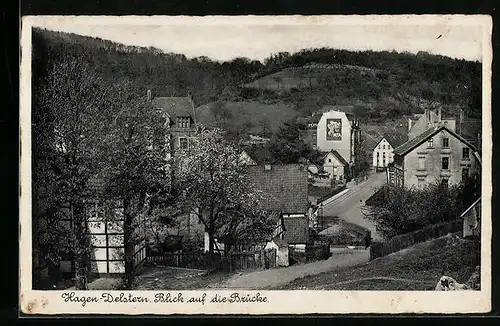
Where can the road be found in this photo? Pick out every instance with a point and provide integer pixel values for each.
(348, 206)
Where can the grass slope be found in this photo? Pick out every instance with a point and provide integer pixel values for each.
(251, 115)
(416, 268)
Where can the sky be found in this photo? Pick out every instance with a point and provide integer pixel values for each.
(224, 38)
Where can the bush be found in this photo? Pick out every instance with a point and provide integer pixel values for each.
(401, 210)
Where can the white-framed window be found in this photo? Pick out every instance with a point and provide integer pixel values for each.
(430, 143)
(421, 162)
(183, 122)
(183, 142)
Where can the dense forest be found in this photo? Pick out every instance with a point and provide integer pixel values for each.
(379, 84)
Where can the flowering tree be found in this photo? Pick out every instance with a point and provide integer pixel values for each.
(136, 170)
(214, 187)
(69, 118)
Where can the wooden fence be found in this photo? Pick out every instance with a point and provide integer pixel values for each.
(201, 260)
(397, 243)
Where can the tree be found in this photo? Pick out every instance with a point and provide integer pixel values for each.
(69, 109)
(215, 187)
(399, 210)
(136, 170)
(288, 144)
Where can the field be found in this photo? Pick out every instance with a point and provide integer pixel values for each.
(416, 268)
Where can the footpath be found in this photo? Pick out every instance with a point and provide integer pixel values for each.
(276, 277)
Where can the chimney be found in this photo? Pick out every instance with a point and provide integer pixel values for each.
(409, 124)
(439, 115)
(148, 95)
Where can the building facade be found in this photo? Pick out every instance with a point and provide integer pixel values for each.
(336, 166)
(436, 155)
(383, 152)
(180, 119)
(339, 131)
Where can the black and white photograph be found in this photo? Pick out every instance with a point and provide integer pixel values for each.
(250, 160)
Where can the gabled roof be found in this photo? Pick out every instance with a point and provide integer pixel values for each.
(283, 187)
(339, 158)
(279, 242)
(476, 203)
(413, 143)
(175, 106)
(259, 154)
(395, 139)
(296, 230)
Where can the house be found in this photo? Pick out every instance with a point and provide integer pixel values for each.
(383, 152)
(429, 119)
(104, 224)
(472, 220)
(256, 155)
(181, 119)
(437, 154)
(338, 129)
(285, 191)
(336, 166)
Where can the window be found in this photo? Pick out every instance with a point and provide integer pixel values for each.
(465, 153)
(378, 154)
(430, 143)
(183, 143)
(444, 182)
(465, 174)
(183, 122)
(421, 181)
(446, 142)
(421, 163)
(329, 160)
(445, 163)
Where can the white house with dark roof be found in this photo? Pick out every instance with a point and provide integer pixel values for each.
(336, 166)
(383, 152)
(437, 154)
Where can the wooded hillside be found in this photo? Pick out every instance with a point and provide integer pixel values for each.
(380, 84)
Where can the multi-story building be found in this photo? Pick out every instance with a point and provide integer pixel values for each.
(338, 130)
(437, 155)
(181, 119)
(383, 152)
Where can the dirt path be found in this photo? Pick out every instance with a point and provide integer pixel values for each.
(276, 277)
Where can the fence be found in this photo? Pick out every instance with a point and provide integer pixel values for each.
(397, 243)
(311, 253)
(201, 260)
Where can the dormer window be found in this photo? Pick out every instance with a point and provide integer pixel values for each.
(183, 122)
